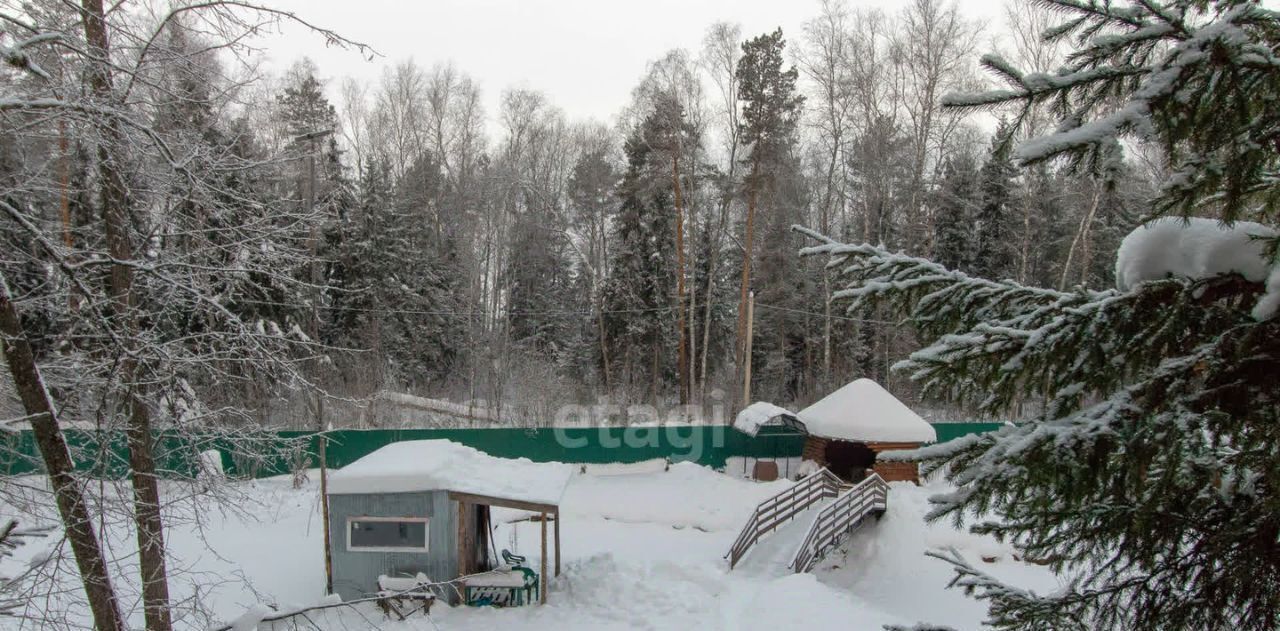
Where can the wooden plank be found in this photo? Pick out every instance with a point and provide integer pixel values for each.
(505, 503)
(543, 575)
(557, 546)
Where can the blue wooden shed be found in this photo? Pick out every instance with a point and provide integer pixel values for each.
(423, 507)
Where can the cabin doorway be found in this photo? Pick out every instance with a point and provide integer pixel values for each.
(850, 461)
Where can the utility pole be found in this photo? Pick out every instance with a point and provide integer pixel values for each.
(321, 437)
(746, 355)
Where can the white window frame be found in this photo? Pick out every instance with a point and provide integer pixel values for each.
(426, 534)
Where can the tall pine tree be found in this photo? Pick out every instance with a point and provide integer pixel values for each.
(770, 112)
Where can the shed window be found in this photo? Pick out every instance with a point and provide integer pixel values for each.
(387, 534)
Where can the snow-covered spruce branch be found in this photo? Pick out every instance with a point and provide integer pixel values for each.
(1196, 484)
(991, 343)
(1009, 606)
(1158, 412)
(905, 280)
(1190, 73)
(1067, 353)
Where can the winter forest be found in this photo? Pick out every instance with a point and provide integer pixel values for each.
(404, 245)
(1064, 221)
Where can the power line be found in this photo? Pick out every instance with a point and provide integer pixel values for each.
(457, 313)
(823, 315)
(563, 312)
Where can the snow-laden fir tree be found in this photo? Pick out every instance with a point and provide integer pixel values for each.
(994, 244)
(1148, 476)
(956, 201)
(639, 290)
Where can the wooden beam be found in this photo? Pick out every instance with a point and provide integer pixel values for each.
(557, 546)
(536, 507)
(542, 576)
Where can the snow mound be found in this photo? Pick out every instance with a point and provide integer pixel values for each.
(884, 562)
(1198, 248)
(251, 618)
(428, 465)
(865, 411)
(686, 496)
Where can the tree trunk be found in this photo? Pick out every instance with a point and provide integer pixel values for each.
(706, 307)
(654, 373)
(72, 509)
(115, 216)
(146, 509)
(828, 198)
(604, 342)
(725, 206)
(692, 312)
(1075, 241)
(1024, 257)
(746, 261)
(682, 354)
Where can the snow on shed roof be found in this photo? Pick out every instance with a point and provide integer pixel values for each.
(431, 465)
(864, 411)
(749, 420)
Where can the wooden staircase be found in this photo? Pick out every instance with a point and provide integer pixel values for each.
(836, 520)
(852, 505)
(783, 507)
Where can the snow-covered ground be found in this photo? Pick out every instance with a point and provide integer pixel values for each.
(641, 551)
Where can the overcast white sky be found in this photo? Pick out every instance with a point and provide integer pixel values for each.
(586, 55)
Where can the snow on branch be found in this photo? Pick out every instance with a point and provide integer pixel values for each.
(17, 56)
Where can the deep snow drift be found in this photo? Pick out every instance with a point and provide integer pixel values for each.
(641, 550)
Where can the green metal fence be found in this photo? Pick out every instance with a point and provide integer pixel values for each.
(261, 454)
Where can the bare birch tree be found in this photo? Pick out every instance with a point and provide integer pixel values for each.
(142, 282)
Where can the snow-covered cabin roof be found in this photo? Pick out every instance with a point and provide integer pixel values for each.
(864, 411)
(431, 465)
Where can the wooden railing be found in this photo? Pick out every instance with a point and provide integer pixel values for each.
(782, 507)
(839, 518)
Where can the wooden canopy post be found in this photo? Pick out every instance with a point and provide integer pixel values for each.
(466, 536)
(543, 575)
(557, 542)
